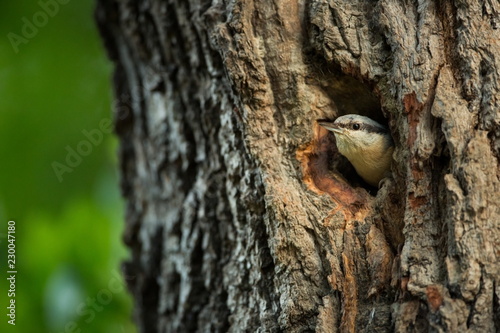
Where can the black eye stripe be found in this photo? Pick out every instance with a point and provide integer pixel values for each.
(375, 129)
(365, 127)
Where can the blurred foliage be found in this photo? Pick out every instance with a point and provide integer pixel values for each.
(68, 228)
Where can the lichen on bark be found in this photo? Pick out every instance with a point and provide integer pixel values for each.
(242, 216)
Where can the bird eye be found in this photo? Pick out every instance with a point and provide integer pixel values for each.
(355, 126)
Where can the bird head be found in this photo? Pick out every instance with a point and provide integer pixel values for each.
(356, 133)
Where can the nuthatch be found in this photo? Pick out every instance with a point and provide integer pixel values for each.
(365, 143)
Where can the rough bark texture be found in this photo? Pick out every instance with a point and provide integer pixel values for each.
(241, 214)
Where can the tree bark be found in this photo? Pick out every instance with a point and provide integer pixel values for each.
(241, 214)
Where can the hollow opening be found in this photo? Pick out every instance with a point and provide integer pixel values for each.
(351, 96)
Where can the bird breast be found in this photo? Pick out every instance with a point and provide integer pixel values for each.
(372, 162)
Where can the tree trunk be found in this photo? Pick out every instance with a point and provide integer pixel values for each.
(241, 214)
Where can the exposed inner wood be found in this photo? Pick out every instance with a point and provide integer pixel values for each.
(242, 216)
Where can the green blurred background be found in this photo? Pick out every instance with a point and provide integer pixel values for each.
(68, 228)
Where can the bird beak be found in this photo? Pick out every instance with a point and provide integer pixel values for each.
(331, 126)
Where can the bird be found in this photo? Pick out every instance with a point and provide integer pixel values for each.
(367, 145)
